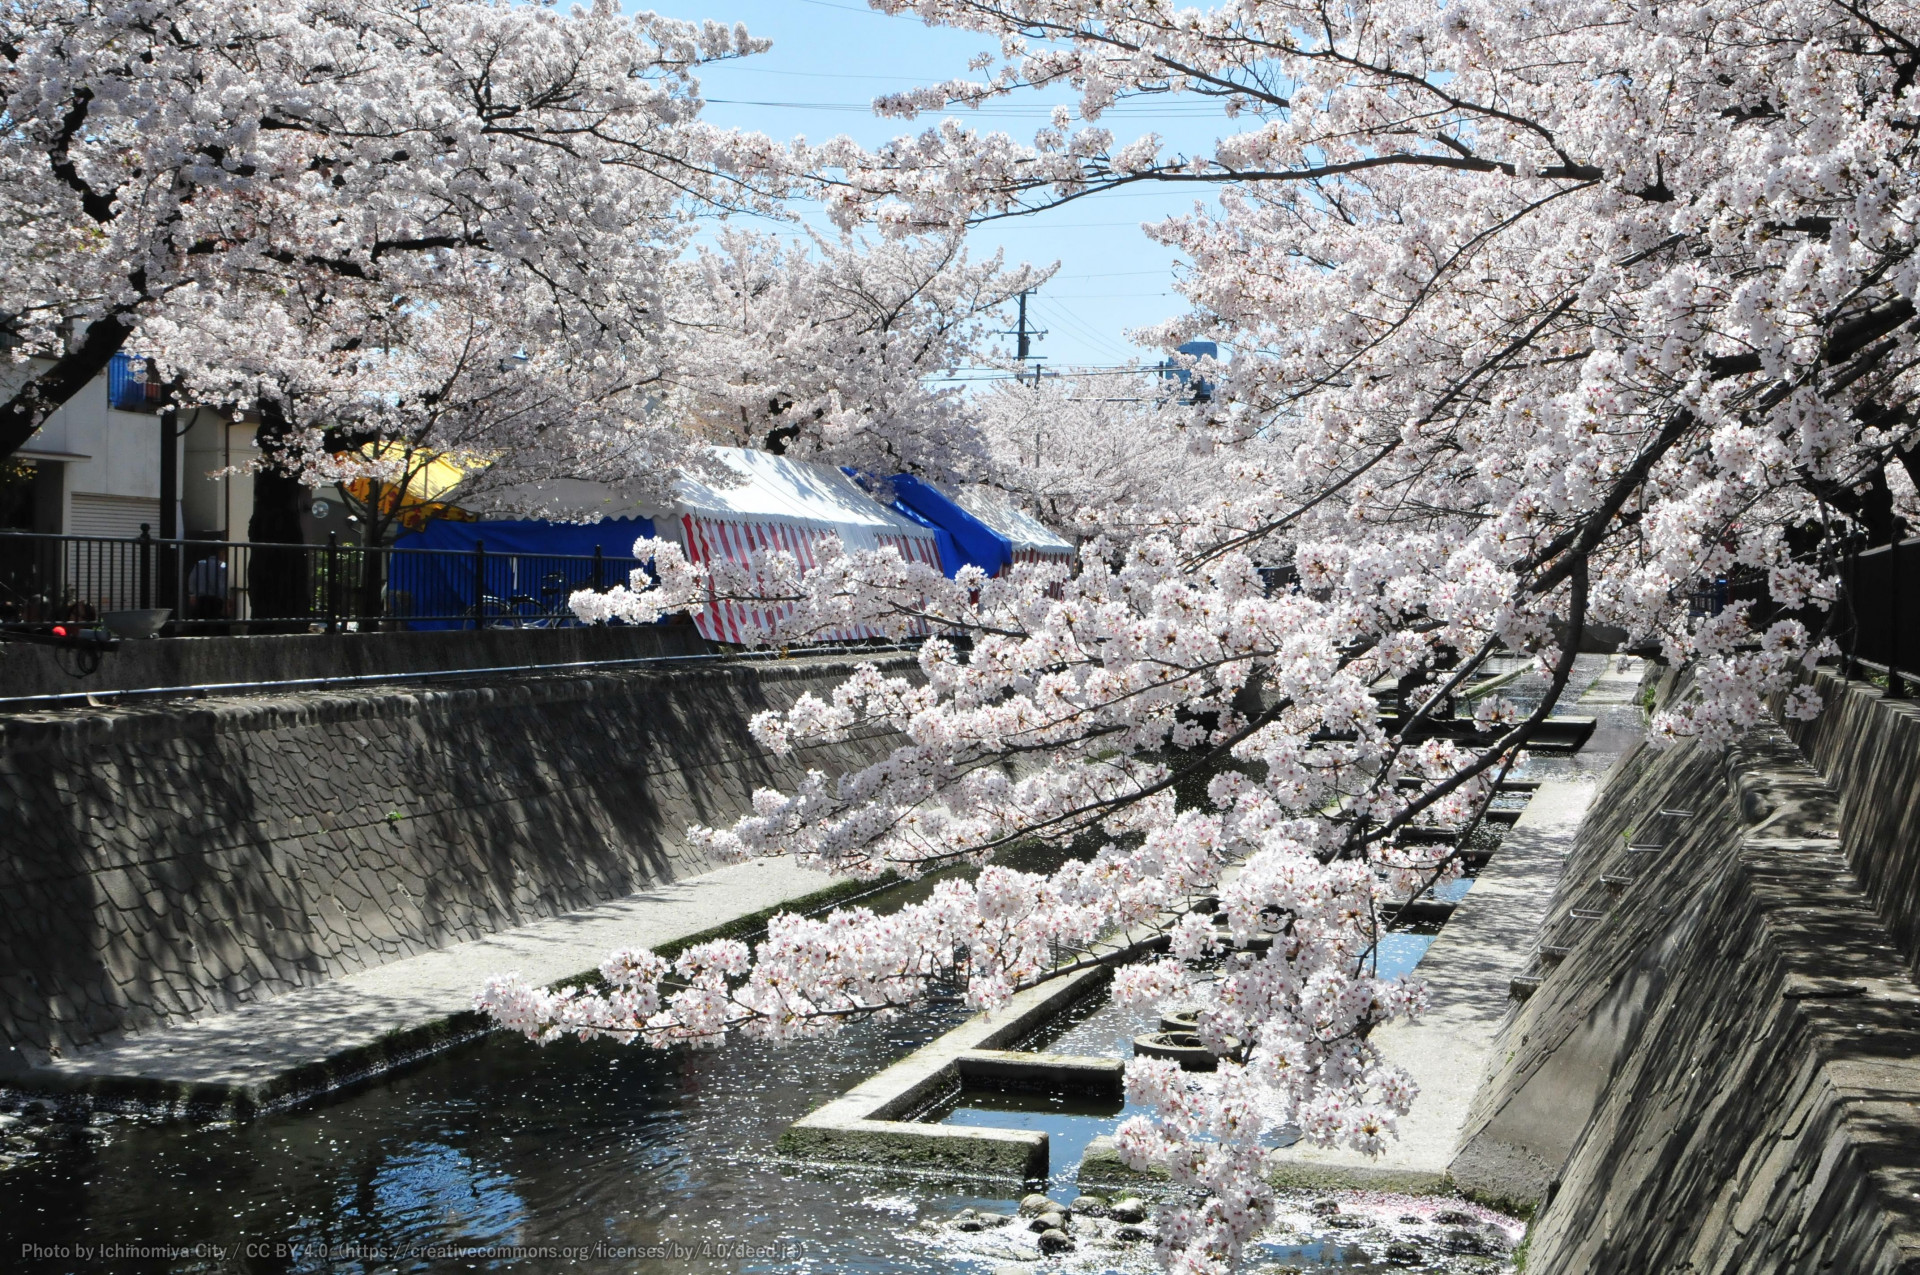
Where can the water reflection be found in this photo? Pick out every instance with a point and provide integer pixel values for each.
(498, 1143)
(595, 1155)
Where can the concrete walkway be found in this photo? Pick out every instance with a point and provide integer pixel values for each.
(1483, 945)
(327, 1035)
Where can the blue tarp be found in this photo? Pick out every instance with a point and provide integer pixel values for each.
(529, 568)
(964, 539)
(972, 540)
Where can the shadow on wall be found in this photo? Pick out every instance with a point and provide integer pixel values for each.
(173, 863)
(1719, 1076)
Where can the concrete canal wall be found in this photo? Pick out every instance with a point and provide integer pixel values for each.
(1868, 747)
(1720, 1069)
(28, 671)
(162, 862)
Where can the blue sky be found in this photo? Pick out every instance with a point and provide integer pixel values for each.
(830, 58)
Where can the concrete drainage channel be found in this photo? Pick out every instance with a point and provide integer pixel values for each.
(875, 1122)
(1091, 1213)
(891, 1118)
(999, 1067)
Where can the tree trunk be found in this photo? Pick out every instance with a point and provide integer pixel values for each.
(47, 392)
(278, 588)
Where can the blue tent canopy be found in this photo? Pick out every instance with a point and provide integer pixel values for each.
(528, 568)
(963, 538)
(992, 535)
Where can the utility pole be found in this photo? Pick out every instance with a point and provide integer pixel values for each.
(1025, 335)
(170, 529)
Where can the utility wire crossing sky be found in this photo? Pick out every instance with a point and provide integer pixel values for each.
(1112, 278)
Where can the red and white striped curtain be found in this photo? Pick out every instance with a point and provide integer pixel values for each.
(713, 540)
(1046, 555)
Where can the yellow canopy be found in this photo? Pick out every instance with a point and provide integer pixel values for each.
(427, 484)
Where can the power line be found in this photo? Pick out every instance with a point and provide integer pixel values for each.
(933, 77)
(1086, 331)
(850, 8)
(996, 374)
(1006, 111)
(1114, 274)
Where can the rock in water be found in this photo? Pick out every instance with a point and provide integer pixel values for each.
(1474, 1243)
(1090, 1206)
(1131, 1209)
(1055, 1241)
(1036, 1204)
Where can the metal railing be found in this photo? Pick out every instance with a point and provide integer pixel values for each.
(129, 386)
(1875, 620)
(1880, 594)
(223, 586)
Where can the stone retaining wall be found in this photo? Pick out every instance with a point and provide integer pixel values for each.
(167, 861)
(27, 670)
(1720, 1070)
(1868, 747)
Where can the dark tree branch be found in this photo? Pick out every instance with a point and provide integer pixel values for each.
(44, 393)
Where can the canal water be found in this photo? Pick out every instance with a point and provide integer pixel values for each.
(592, 1156)
(502, 1155)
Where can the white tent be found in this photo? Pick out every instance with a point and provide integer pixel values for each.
(1027, 537)
(780, 504)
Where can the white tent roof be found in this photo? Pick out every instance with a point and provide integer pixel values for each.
(782, 504)
(1020, 529)
(772, 489)
(779, 489)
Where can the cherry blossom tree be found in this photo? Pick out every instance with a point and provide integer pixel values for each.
(472, 376)
(1100, 452)
(231, 148)
(1541, 314)
(822, 350)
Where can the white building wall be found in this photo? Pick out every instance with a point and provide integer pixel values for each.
(214, 442)
(110, 463)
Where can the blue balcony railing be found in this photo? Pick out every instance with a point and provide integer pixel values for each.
(128, 386)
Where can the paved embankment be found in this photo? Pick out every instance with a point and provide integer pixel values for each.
(1470, 968)
(321, 1037)
(1720, 1070)
(167, 862)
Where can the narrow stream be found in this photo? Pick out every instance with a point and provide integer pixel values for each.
(578, 1156)
(594, 1156)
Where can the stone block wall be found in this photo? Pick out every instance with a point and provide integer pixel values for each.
(1720, 1071)
(28, 671)
(167, 861)
(1868, 747)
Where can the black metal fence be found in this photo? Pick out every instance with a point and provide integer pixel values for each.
(238, 586)
(1875, 619)
(1880, 590)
